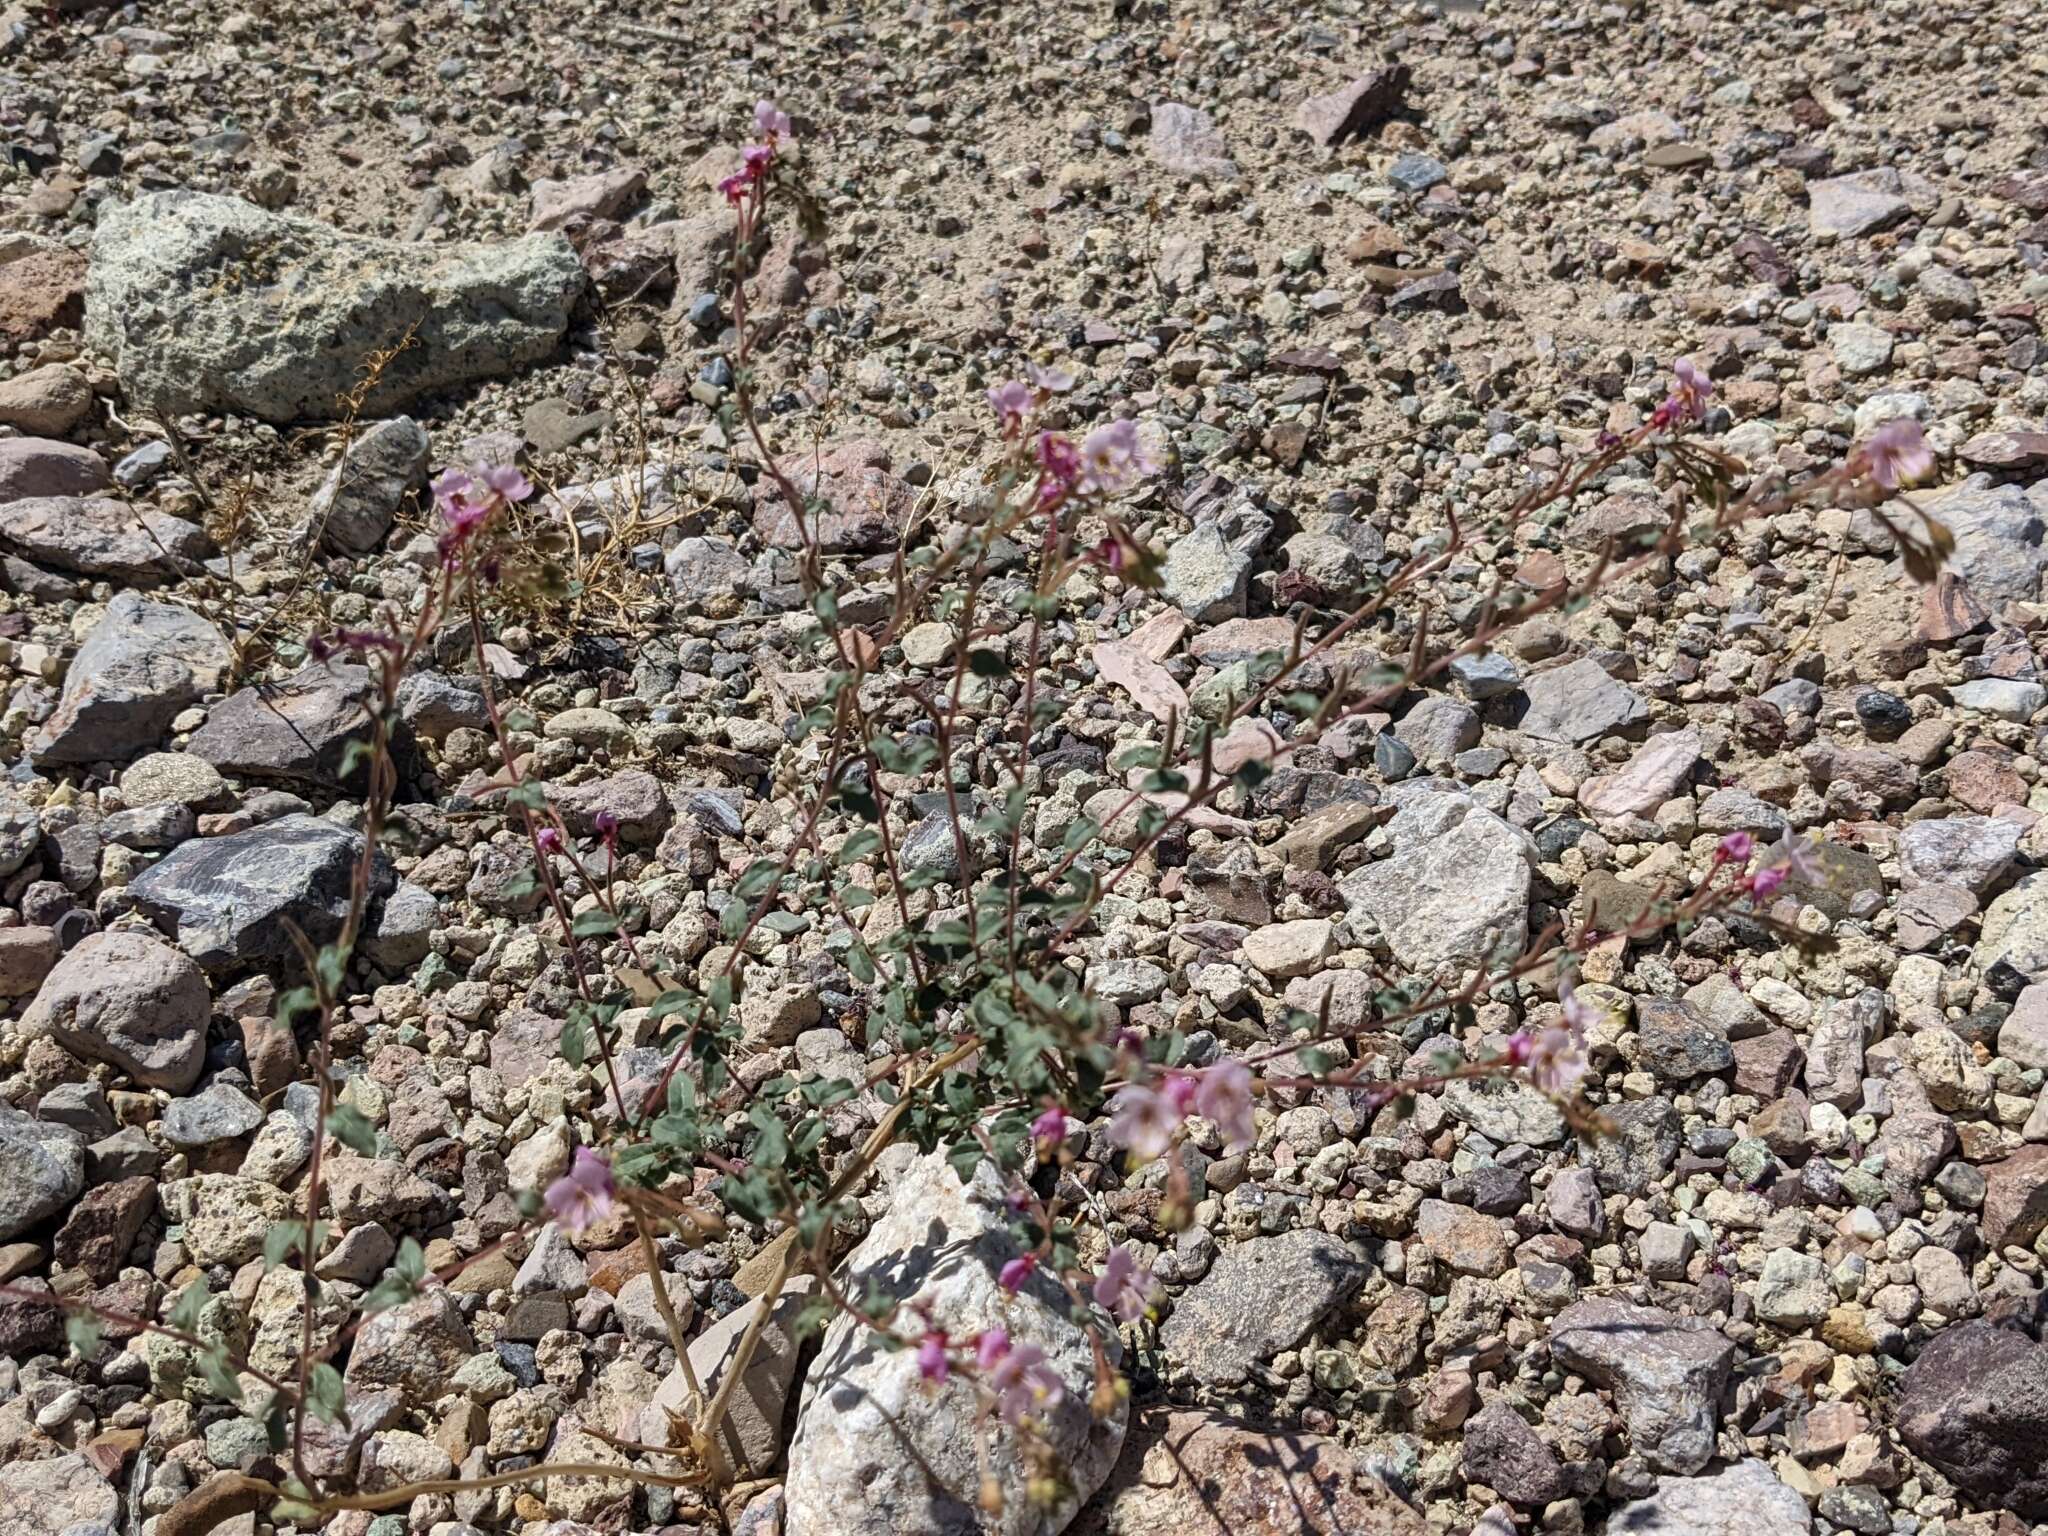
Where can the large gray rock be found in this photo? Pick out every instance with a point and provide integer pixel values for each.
(1743, 1499)
(361, 495)
(100, 536)
(1667, 1376)
(210, 303)
(298, 728)
(2001, 534)
(225, 898)
(1258, 1299)
(877, 1453)
(42, 1170)
(143, 664)
(56, 1495)
(131, 1000)
(1976, 1405)
(1455, 890)
(2016, 929)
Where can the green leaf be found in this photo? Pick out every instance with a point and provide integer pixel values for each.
(964, 1157)
(760, 877)
(411, 1261)
(675, 1000)
(528, 796)
(596, 923)
(190, 1306)
(576, 1042)
(1079, 834)
(295, 1002)
(858, 845)
(324, 1396)
(82, 1332)
(220, 1374)
(348, 1125)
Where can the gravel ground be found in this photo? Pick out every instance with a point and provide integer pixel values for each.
(1350, 272)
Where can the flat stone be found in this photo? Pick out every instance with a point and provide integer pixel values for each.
(37, 467)
(1354, 108)
(1185, 141)
(1455, 890)
(223, 897)
(876, 1450)
(1196, 1472)
(42, 1170)
(1742, 1499)
(1578, 703)
(99, 536)
(361, 496)
(1975, 1404)
(1849, 207)
(1258, 1298)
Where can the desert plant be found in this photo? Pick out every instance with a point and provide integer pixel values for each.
(987, 1042)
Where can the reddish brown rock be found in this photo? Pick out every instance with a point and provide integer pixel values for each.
(27, 956)
(865, 504)
(41, 291)
(1984, 780)
(102, 1227)
(2016, 1198)
(1197, 1472)
(272, 1055)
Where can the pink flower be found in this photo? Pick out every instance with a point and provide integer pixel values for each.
(1112, 460)
(1765, 882)
(1556, 1054)
(549, 840)
(1144, 1120)
(990, 1346)
(931, 1357)
(1016, 1272)
(1054, 381)
(1022, 1381)
(452, 485)
(770, 122)
(1012, 402)
(607, 824)
(1689, 393)
(583, 1196)
(1059, 467)
(755, 158)
(1224, 1094)
(1735, 848)
(1050, 1128)
(506, 481)
(1796, 855)
(1557, 1059)
(1121, 1289)
(1897, 454)
(735, 187)
(1579, 1014)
